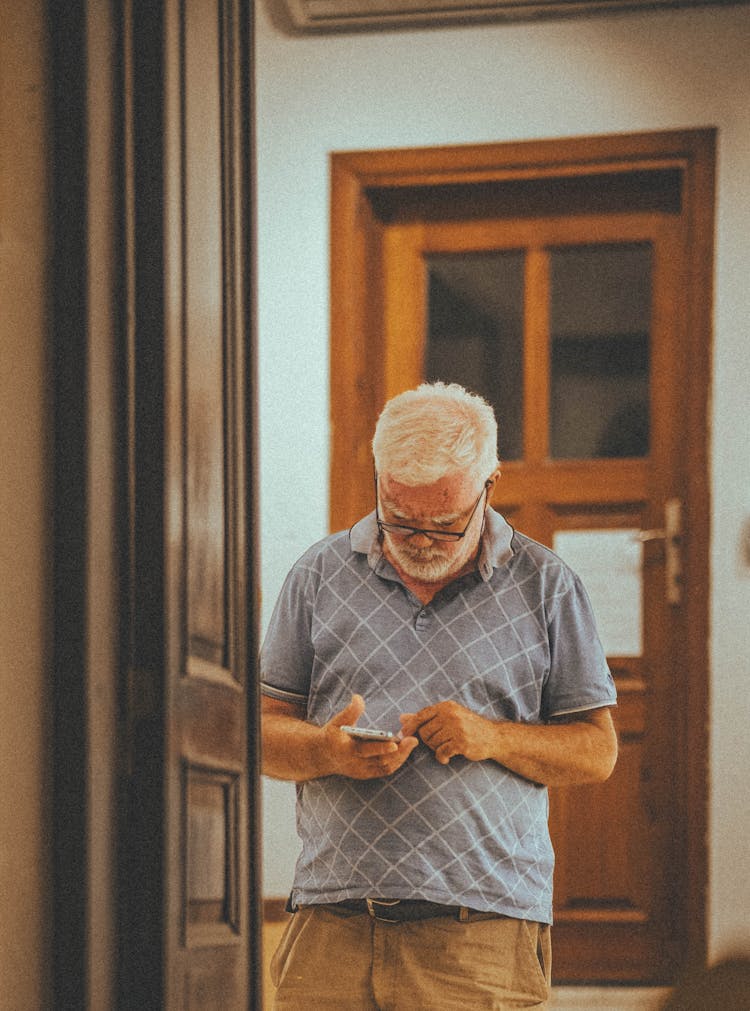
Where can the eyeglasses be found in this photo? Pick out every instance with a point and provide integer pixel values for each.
(401, 530)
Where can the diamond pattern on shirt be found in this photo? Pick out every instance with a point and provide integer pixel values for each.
(468, 833)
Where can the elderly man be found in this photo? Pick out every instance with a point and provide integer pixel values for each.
(425, 878)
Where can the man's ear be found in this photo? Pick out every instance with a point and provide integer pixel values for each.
(493, 478)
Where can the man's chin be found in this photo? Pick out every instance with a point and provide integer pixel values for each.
(426, 571)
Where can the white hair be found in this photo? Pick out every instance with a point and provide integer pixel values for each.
(436, 430)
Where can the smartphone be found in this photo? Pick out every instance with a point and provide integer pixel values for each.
(365, 734)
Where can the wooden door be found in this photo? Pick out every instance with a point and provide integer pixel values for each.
(613, 909)
(544, 251)
(189, 898)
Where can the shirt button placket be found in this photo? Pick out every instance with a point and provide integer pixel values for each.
(423, 620)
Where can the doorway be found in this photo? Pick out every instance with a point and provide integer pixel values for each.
(568, 282)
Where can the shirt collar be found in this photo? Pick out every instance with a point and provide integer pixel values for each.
(496, 547)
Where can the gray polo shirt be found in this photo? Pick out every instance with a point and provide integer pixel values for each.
(513, 640)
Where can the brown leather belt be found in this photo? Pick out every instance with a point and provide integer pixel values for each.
(407, 910)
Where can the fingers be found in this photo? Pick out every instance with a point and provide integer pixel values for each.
(447, 728)
(350, 714)
(420, 723)
(409, 724)
(367, 763)
(445, 752)
(443, 727)
(425, 724)
(361, 759)
(440, 739)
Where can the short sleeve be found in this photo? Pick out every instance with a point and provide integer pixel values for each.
(579, 677)
(286, 656)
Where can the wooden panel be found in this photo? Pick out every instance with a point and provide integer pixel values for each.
(205, 366)
(605, 876)
(536, 355)
(212, 890)
(214, 982)
(566, 483)
(209, 710)
(212, 718)
(529, 197)
(208, 942)
(357, 382)
(404, 329)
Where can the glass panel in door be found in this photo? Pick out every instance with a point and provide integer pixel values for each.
(475, 312)
(600, 321)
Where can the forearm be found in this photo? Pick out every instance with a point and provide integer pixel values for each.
(579, 748)
(556, 754)
(292, 749)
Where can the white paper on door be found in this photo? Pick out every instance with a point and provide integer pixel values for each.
(609, 562)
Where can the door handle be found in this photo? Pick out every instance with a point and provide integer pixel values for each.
(671, 534)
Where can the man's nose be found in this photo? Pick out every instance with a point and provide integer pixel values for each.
(420, 540)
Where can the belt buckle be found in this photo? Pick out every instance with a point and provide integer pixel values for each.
(372, 903)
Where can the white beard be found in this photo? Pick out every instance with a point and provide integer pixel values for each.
(430, 564)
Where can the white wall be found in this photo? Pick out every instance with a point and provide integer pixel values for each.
(630, 72)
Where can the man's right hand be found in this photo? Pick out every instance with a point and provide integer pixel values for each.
(360, 759)
(294, 749)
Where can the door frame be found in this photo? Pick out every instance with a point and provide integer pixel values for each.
(361, 182)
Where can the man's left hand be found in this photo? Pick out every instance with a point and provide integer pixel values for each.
(570, 749)
(449, 729)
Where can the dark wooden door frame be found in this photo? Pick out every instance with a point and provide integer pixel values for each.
(107, 190)
(361, 183)
(68, 340)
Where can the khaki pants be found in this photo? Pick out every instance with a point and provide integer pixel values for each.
(334, 958)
